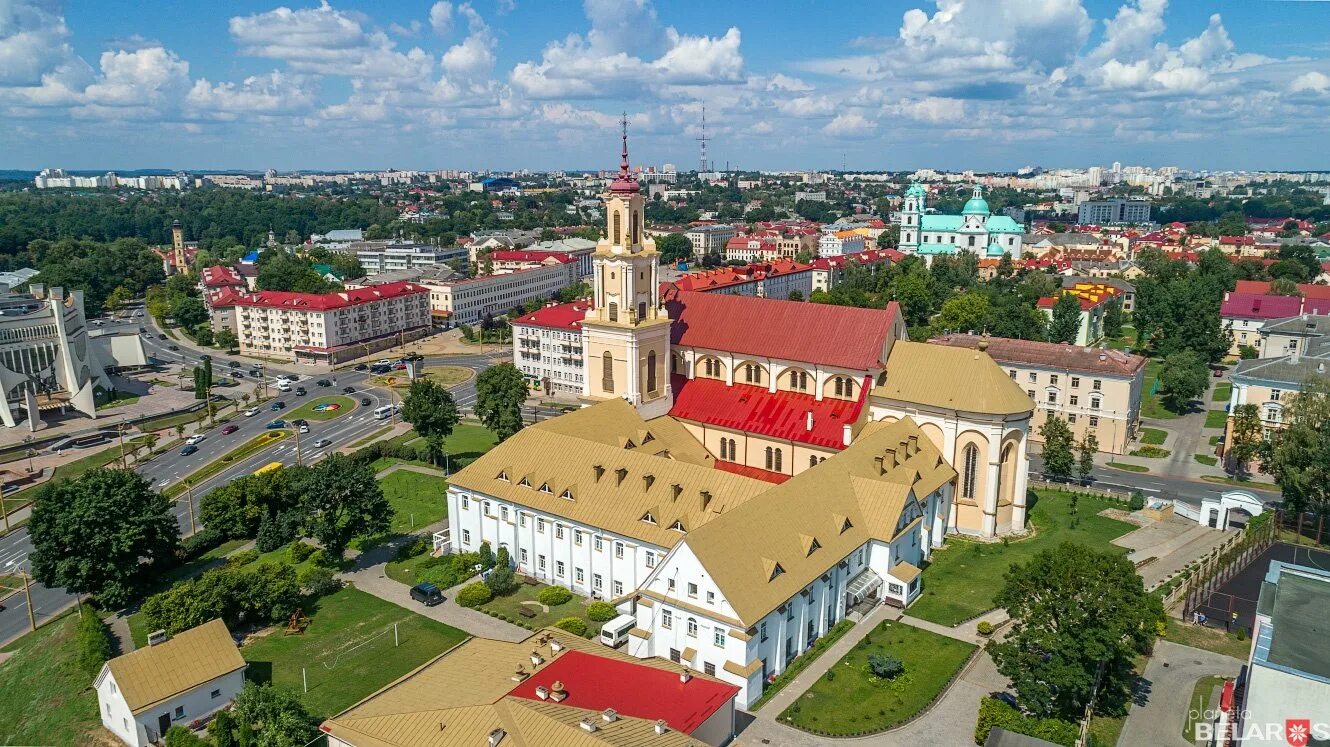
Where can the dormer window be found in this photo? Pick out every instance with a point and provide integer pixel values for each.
(503, 476)
(545, 488)
(567, 495)
(678, 526)
(619, 475)
(525, 483)
(649, 518)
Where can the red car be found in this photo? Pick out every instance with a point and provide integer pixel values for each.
(228, 430)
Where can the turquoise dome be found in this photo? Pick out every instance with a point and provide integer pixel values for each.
(976, 206)
(915, 190)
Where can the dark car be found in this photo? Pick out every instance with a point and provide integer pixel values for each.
(233, 364)
(278, 405)
(1219, 373)
(300, 391)
(228, 430)
(256, 373)
(299, 422)
(364, 401)
(380, 368)
(348, 390)
(239, 374)
(161, 336)
(427, 594)
(276, 424)
(189, 449)
(143, 329)
(205, 357)
(362, 367)
(173, 347)
(323, 382)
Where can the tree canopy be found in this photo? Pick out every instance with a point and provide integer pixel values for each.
(500, 393)
(430, 409)
(341, 500)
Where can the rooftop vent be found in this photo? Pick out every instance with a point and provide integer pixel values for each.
(542, 692)
(587, 724)
(685, 676)
(536, 658)
(557, 691)
(661, 726)
(497, 736)
(158, 637)
(609, 715)
(555, 646)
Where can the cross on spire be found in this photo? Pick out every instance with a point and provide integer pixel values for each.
(623, 161)
(624, 183)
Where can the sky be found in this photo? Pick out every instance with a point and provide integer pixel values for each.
(786, 84)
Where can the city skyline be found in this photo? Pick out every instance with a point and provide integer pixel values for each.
(506, 85)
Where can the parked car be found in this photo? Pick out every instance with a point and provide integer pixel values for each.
(300, 391)
(196, 438)
(143, 329)
(228, 430)
(322, 442)
(189, 449)
(278, 405)
(364, 402)
(427, 594)
(362, 367)
(383, 362)
(399, 366)
(348, 390)
(251, 412)
(299, 421)
(276, 424)
(323, 382)
(1219, 373)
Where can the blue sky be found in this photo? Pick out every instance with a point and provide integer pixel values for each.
(793, 84)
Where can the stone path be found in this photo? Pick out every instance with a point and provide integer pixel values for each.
(410, 468)
(1160, 708)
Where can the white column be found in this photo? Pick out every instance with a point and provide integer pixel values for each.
(991, 476)
(1022, 468)
(729, 371)
(633, 389)
(775, 370)
(820, 377)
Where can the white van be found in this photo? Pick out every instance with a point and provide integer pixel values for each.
(615, 632)
(385, 412)
(283, 385)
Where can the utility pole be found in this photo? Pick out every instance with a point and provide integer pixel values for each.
(189, 503)
(297, 430)
(120, 427)
(27, 592)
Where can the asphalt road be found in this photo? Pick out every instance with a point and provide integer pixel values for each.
(1181, 489)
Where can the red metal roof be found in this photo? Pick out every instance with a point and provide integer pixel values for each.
(1050, 354)
(325, 301)
(595, 683)
(523, 255)
(823, 334)
(1260, 306)
(756, 473)
(779, 414)
(1308, 290)
(567, 316)
(220, 276)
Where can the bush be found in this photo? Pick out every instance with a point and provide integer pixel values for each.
(418, 546)
(447, 571)
(486, 556)
(263, 593)
(601, 612)
(299, 552)
(94, 642)
(244, 557)
(179, 736)
(321, 558)
(885, 666)
(985, 628)
(200, 542)
(474, 594)
(573, 625)
(1137, 501)
(222, 729)
(501, 580)
(317, 581)
(553, 596)
(831, 675)
(994, 713)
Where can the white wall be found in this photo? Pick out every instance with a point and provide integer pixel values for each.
(196, 703)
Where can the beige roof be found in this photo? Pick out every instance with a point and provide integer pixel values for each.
(199, 655)
(613, 487)
(952, 379)
(461, 696)
(765, 551)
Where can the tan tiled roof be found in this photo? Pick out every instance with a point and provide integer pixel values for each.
(197, 656)
(460, 697)
(613, 486)
(1050, 355)
(765, 551)
(950, 378)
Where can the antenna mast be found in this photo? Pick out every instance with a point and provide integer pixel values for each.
(702, 141)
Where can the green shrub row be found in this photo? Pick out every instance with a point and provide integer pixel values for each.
(996, 713)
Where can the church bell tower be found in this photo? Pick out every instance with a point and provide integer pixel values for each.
(626, 337)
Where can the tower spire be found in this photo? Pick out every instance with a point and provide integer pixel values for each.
(624, 183)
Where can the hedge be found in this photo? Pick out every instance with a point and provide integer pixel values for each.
(94, 642)
(474, 594)
(994, 713)
(601, 612)
(573, 625)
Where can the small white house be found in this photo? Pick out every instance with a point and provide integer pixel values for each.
(180, 681)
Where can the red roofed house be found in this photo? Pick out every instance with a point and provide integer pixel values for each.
(1245, 314)
(516, 260)
(324, 328)
(1094, 299)
(547, 347)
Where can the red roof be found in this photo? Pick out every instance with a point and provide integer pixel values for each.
(827, 335)
(780, 414)
(757, 473)
(1237, 241)
(722, 277)
(1260, 306)
(1308, 290)
(322, 301)
(1049, 354)
(220, 277)
(522, 255)
(595, 683)
(560, 316)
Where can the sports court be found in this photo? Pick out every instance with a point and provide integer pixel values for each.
(1240, 593)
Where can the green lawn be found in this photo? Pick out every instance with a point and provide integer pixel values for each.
(1200, 701)
(347, 651)
(447, 377)
(45, 698)
(1127, 467)
(1152, 406)
(307, 411)
(1215, 418)
(509, 607)
(1222, 391)
(171, 421)
(1151, 452)
(417, 500)
(464, 446)
(1240, 483)
(126, 399)
(1210, 639)
(849, 700)
(965, 576)
(1206, 459)
(404, 572)
(1153, 436)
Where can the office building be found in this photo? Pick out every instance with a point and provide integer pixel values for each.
(1111, 212)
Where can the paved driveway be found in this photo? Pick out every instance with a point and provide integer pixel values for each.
(1160, 710)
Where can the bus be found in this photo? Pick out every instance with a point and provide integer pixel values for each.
(269, 467)
(385, 412)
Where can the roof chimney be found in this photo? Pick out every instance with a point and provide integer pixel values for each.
(158, 637)
(661, 726)
(587, 724)
(542, 692)
(685, 675)
(810, 420)
(557, 691)
(610, 715)
(497, 736)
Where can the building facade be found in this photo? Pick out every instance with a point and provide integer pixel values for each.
(975, 230)
(466, 301)
(709, 238)
(839, 244)
(547, 347)
(1109, 212)
(379, 257)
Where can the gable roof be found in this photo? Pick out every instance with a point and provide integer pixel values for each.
(862, 493)
(839, 336)
(951, 378)
(1049, 354)
(1260, 306)
(197, 656)
(1307, 290)
(754, 409)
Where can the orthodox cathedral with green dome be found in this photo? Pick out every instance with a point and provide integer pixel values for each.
(976, 229)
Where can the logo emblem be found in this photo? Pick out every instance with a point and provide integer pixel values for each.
(327, 407)
(1298, 731)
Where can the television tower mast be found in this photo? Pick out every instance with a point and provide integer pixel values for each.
(702, 141)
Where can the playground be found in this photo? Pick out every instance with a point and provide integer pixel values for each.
(1239, 594)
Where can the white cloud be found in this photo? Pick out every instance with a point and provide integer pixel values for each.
(1314, 81)
(34, 41)
(473, 58)
(441, 17)
(274, 93)
(783, 82)
(325, 41)
(849, 124)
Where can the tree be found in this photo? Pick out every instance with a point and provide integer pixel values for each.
(1113, 318)
(1085, 463)
(226, 339)
(103, 533)
(94, 643)
(796, 295)
(189, 312)
(1184, 377)
(341, 500)
(274, 715)
(1080, 617)
(1298, 455)
(1245, 439)
(119, 297)
(430, 409)
(500, 393)
(1232, 224)
(1059, 461)
(674, 247)
(1066, 323)
(967, 312)
(237, 509)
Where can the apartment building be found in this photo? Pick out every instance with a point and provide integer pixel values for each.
(709, 238)
(515, 260)
(328, 328)
(1095, 391)
(467, 300)
(1245, 315)
(578, 248)
(776, 279)
(1103, 212)
(377, 257)
(1280, 337)
(1094, 298)
(1268, 382)
(547, 347)
(840, 243)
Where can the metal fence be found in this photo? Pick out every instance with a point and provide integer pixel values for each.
(1225, 562)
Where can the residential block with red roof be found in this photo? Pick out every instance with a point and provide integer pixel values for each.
(1094, 298)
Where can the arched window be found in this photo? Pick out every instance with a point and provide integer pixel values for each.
(641, 310)
(651, 371)
(618, 228)
(778, 466)
(637, 228)
(969, 470)
(840, 386)
(769, 458)
(614, 311)
(607, 372)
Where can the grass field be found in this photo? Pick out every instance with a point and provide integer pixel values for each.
(404, 572)
(1210, 639)
(1206, 459)
(964, 576)
(347, 651)
(1128, 467)
(468, 442)
(1153, 436)
(1152, 406)
(1215, 418)
(307, 411)
(1240, 483)
(44, 696)
(1151, 452)
(447, 376)
(1222, 391)
(509, 606)
(1199, 702)
(119, 402)
(417, 500)
(171, 421)
(848, 699)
